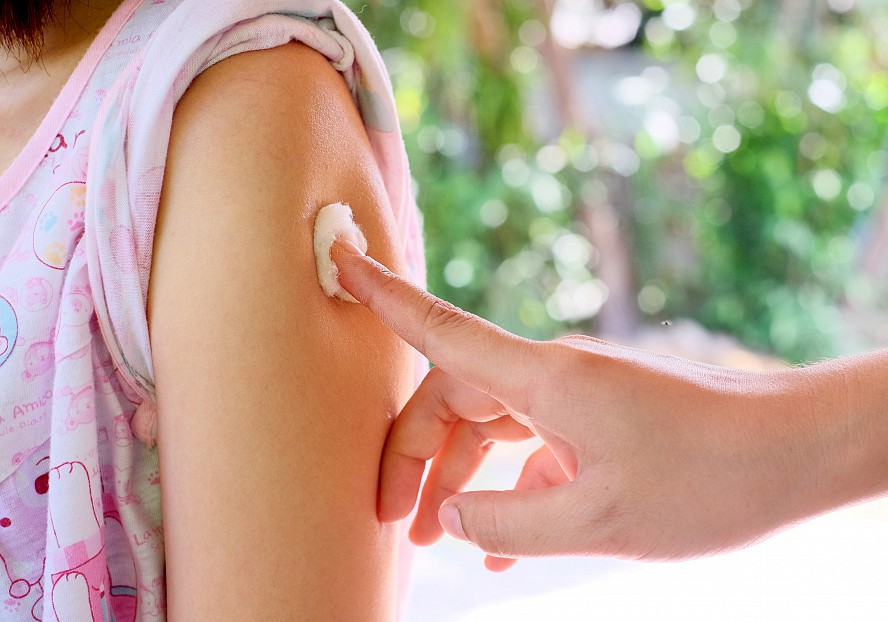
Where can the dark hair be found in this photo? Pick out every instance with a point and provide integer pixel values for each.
(22, 23)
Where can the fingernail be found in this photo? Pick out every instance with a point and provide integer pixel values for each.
(449, 518)
(348, 246)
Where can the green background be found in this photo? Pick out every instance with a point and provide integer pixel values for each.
(725, 166)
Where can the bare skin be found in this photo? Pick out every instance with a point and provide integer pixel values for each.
(646, 456)
(273, 400)
(28, 87)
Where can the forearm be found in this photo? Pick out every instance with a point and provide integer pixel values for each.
(790, 444)
(847, 404)
(669, 459)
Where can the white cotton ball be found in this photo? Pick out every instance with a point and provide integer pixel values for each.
(334, 221)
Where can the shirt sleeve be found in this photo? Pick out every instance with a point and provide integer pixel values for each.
(131, 137)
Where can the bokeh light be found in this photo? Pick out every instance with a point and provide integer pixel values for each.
(594, 166)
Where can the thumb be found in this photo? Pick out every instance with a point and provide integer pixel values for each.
(518, 523)
(474, 350)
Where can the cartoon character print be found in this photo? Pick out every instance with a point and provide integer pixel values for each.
(22, 522)
(71, 597)
(8, 329)
(153, 597)
(82, 408)
(58, 156)
(107, 381)
(60, 225)
(76, 308)
(77, 311)
(37, 293)
(38, 359)
(121, 565)
(123, 435)
(79, 163)
(80, 591)
(121, 484)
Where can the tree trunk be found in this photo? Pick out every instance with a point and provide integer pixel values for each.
(606, 221)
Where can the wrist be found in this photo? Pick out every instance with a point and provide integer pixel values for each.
(839, 407)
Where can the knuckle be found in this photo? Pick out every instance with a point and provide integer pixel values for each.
(493, 533)
(568, 358)
(556, 362)
(443, 411)
(580, 340)
(480, 436)
(439, 319)
(439, 313)
(536, 357)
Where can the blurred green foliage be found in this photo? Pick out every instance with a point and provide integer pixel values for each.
(791, 101)
(746, 192)
(489, 243)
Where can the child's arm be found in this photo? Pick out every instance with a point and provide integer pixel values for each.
(273, 400)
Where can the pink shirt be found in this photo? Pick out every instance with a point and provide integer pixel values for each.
(80, 522)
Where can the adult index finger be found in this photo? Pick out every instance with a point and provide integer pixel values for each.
(464, 345)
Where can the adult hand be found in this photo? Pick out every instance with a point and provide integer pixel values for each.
(646, 456)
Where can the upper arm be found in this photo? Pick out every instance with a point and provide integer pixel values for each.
(273, 401)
